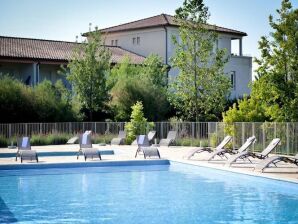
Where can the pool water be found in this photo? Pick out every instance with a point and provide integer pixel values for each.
(175, 193)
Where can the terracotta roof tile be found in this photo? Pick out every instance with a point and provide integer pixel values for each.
(158, 21)
(37, 49)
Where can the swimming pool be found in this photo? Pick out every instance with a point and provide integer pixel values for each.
(175, 193)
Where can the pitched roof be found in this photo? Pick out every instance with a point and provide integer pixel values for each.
(52, 50)
(158, 21)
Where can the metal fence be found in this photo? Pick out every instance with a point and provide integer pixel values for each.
(189, 133)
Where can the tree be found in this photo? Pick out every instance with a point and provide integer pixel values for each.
(200, 90)
(146, 83)
(275, 93)
(138, 123)
(89, 69)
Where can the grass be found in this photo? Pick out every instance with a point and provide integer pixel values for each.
(96, 139)
(191, 142)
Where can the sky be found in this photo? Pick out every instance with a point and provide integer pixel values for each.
(65, 19)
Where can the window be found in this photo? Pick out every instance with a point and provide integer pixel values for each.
(112, 42)
(136, 40)
(116, 42)
(233, 79)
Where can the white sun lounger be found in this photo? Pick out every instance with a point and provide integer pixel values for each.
(276, 159)
(224, 142)
(222, 152)
(245, 155)
(24, 150)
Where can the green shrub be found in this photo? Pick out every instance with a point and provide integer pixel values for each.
(45, 102)
(130, 83)
(96, 139)
(50, 139)
(189, 142)
(138, 123)
(3, 142)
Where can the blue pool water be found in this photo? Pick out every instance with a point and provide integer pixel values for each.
(175, 193)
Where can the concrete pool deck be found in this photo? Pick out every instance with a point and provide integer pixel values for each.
(284, 172)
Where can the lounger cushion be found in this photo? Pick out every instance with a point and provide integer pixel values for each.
(28, 154)
(150, 152)
(90, 152)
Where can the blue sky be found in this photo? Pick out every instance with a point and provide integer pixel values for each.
(64, 19)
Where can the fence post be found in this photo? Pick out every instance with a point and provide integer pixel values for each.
(264, 139)
(243, 133)
(192, 132)
(26, 129)
(9, 130)
(253, 134)
(288, 143)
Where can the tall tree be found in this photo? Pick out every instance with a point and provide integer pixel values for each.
(145, 83)
(276, 89)
(89, 69)
(200, 89)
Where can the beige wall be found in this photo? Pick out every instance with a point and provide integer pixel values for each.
(151, 41)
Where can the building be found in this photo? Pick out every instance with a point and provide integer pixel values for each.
(154, 35)
(34, 60)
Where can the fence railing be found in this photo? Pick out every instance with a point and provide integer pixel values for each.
(189, 133)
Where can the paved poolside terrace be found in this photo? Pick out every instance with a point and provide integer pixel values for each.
(284, 172)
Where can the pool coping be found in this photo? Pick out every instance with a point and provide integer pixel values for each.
(85, 164)
(56, 153)
(249, 173)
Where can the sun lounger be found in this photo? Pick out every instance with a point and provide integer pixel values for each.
(24, 150)
(144, 147)
(222, 152)
(276, 159)
(120, 139)
(150, 152)
(245, 155)
(86, 147)
(72, 140)
(171, 137)
(224, 142)
(150, 135)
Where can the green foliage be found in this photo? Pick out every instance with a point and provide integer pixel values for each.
(130, 83)
(44, 103)
(89, 68)
(50, 139)
(200, 90)
(274, 95)
(138, 123)
(107, 138)
(3, 142)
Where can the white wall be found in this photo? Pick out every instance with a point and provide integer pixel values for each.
(243, 69)
(151, 41)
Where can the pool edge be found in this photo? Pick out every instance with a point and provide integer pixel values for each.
(85, 164)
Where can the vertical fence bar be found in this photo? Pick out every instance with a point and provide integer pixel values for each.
(288, 137)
